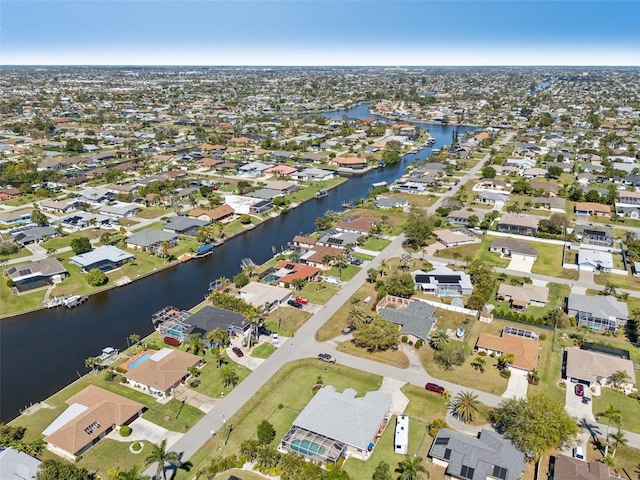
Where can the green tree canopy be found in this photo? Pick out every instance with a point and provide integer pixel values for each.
(96, 277)
(59, 470)
(80, 245)
(266, 433)
(39, 218)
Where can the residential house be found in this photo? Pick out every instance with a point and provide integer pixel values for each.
(520, 163)
(526, 351)
(28, 235)
(92, 414)
(61, 206)
(413, 185)
(555, 204)
(282, 170)
(491, 198)
(443, 282)
(592, 208)
(595, 261)
(361, 225)
(602, 313)
(313, 175)
(454, 238)
(119, 210)
(9, 193)
(83, 220)
(509, 247)
(162, 372)
(388, 203)
(487, 455)
(285, 272)
(264, 296)
(96, 196)
(354, 163)
(104, 258)
(628, 203)
(17, 465)
(520, 297)
(460, 218)
(152, 240)
(497, 184)
(254, 169)
(36, 274)
(549, 189)
(261, 207)
(531, 173)
(416, 319)
(592, 367)
(569, 468)
(317, 256)
(302, 241)
(339, 424)
(519, 224)
(15, 217)
(594, 235)
(183, 225)
(333, 238)
(217, 214)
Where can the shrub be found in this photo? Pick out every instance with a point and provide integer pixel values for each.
(96, 277)
(505, 373)
(482, 353)
(543, 337)
(123, 380)
(125, 431)
(419, 344)
(194, 383)
(110, 375)
(136, 447)
(120, 370)
(405, 339)
(174, 342)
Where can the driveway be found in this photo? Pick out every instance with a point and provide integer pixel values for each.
(144, 430)
(517, 386)
(586, 276)
(521, 265)
(574, 406)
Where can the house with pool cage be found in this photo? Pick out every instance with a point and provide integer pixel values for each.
(335, 425)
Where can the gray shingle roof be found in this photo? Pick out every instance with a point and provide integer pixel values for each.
(602, 306)
(149, 237)
(416, 320)
(476, 458)
(343, 417)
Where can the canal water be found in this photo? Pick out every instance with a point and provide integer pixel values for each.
(43, 351)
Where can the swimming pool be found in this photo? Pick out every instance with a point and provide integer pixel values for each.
(307, 447)
(141, 359)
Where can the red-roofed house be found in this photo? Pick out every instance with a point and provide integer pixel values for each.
(287, 272)
(355, 163)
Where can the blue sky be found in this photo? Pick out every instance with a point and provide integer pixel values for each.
(319, 32)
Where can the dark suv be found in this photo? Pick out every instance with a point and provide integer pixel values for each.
(433, 387)
(293, 303)
(348, 329)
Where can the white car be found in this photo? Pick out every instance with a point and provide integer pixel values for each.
(274, 338)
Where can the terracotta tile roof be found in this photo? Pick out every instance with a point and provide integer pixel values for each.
(104, 410)
(298, 270)
(165, 372)
(525, 350)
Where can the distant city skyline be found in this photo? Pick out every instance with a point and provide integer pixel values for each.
(319, 32)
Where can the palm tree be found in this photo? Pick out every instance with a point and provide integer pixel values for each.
(439, 339)
(229, 375)
(411, 468)
(383, 266)
(620, 440)
(341, 263)
(161, 456)
(134, 338)
(132, 474)
(356, 316)
(298, 283)
(219, 337)
(478, 364)
(619, 378)
(611, 414)
(193, 343)
(465, 406)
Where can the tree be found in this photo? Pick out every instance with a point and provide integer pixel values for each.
(453, 354)
(341, 262)
(554, 172)
(161, 456)
(488, 172)
(465, 406)
(612, 415)
(134, 338)
(229, 375)
(356, 316)
(620, 439)
(410, 469)
(478, 364)
(59, 470)
(266, 433)
(193, 343)
(80, 245)
(376, 336)
(372, 275)
(240, 280)
(401, 285)
(535, 424)
(418, 228)
(39, 218)
(619, 378)
(382, 471)
(505, 360)
(96, 277)
(521, 186)
(94, 363)
(219, 337)
(439, 339)
(592, 196)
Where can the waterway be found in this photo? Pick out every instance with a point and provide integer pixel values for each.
(43, 351)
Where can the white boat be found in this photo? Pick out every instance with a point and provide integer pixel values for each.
(379, 184)
(108, 352)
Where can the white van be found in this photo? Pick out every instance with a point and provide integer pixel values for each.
(578, 453)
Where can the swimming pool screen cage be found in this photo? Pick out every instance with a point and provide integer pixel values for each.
(175, 328)
(313, 445)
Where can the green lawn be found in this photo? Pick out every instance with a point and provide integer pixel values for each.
(151, 226)
(289, 387)
(476, 250)
(629, 407)
(318, 293)
(376, 244)
(109, 454)
(12, 303)
(263, 351)
(333, 327)
(629, 282)
(211, 382)
(290, 319)
(549, 260)
(344, 274)
(23, 252)
(153, 212)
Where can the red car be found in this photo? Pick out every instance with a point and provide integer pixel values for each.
(302, 300)
(238, 352)
(579, 389)
(433, 387)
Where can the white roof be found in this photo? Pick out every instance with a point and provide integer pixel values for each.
(65, 417)
(15, 465)
(595, 258)
(160, 354)
(106, 252)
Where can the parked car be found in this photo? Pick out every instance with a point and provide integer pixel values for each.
(586, 400)
(325, 357)
(578, 453)
(295, 304)
(301, 300)
(579, 389)
(356, 261)
(275, 339)
(348, 329)
(434, 387)
(238, 352)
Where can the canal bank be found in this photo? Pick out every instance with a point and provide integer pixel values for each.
(42, 351)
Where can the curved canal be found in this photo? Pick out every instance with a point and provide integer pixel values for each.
(43, 351)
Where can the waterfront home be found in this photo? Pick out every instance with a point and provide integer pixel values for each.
(592, 208)
(91, 415)
(339, 424)
(602, 313)
(518, 223)
(388, 203)
(104, 258)
(526, 351)
(162, 371)
(354, 163)
(333, 238)
(183, 225)
(320, 256)
(415, 318)
(285, 272)
(14, 217)
(487, 455)
(36, 274)
(302, 241)
(511, 248)
(313, 175)
(151, 239)
(17, 465)
(360, 225)
(217, 214)
(591, 367)
(264, 296)
(443, 282)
